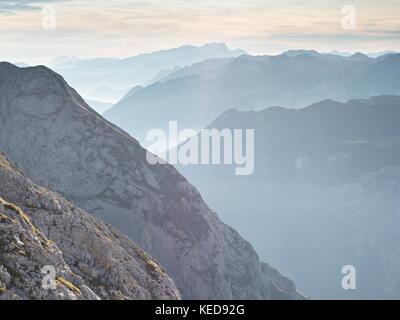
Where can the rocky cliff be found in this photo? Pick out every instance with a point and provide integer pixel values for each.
(91, 260)
(51, 133)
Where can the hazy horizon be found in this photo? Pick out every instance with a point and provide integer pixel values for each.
(123, 28)
(49, 60)
(154, 160)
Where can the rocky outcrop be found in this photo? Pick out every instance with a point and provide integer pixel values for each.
(51, 133)
(91, 260)
(282, 288)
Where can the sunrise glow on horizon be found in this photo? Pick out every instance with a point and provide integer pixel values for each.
(124, 28)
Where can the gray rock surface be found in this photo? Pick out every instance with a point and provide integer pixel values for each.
(51, 133)
(281, 288)
(92, 260)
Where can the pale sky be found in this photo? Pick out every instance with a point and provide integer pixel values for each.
(121, 28)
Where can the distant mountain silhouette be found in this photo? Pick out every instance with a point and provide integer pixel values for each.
(87, 75)
(324, 192)
(99, 106)
(197, 94)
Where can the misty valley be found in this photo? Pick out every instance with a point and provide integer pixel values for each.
(199, 151)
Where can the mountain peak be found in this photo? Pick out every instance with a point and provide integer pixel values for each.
(293, 53)
(34, 71)
(220, 45)
(39, 83)
(4, 66)
(358, 56)
(223, 48)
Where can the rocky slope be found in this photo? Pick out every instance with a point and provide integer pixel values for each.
(92, 260)
(50, 132)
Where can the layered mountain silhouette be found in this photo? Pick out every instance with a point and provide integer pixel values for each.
(49, 132)
(196, 95)
(99, 106)
(106, 79)
(324, 193)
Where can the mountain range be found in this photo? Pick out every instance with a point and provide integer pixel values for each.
(107, 79)
(195, 95)
(324, 192)
(50, 133)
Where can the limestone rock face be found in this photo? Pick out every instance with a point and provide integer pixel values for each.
(91, 260)
(281, 288)
(55, 138)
